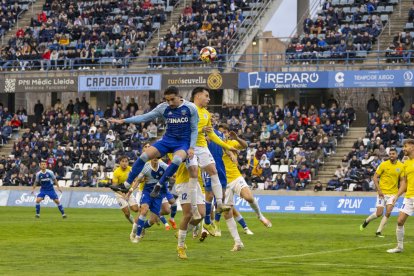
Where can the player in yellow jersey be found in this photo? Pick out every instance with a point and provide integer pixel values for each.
(386, 180)
(236, 183)
(407, 187)
(183, 191)
(120, 175)
(201, 157)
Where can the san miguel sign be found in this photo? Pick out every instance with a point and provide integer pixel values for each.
(212, 81)
(13, 84)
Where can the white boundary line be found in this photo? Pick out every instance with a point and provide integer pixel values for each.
(324, 252)
(381, 267)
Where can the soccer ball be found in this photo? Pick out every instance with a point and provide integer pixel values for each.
(208, 54)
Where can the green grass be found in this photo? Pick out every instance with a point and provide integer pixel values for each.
(96, 242)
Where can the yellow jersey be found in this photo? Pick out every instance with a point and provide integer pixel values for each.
(121, 175)
(389, 174)
(409, 174)
(232, 171)
(204, 120)
(182, 176)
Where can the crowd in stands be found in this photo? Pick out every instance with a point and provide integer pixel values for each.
(385, 130)
(400, 50)
(84, 34)
(11, 10)
(287, 145)
(342, 31)
(202, 23)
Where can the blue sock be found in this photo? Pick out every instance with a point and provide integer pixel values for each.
(170, 171)
(136, 169)
(173, 210)
(217, 217)
(207, 218)
(147, 224)
(37, 208)
(163, 220)
(241, 221)
(61, 209)
(140, 224)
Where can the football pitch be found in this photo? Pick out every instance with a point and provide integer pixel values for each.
(96, 242)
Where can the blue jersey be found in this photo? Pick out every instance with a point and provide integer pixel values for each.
(181, 122)
(151, 175)
(217, 153)
(45, 180)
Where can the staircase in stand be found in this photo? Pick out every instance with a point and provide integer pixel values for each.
(327, 171)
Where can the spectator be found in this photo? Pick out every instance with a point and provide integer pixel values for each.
(372, 107)
(397, 104)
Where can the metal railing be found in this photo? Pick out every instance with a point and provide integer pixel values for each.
(277, 61)
(248, 25)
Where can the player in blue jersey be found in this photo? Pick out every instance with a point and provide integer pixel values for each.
(180, 137)
(217, 153)
(150, 174)
(46, 179)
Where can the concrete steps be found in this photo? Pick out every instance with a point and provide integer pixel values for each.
(344, 147)
(140, 64)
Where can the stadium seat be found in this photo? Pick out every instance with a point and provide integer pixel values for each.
(365, 141)
(86, 166)
(275, 168)
(78, 164)
(110, 175)
(95, 165)
(62, 183)
(274, 177)
(295, 151)
(1, 182)
(384, 17)
(68, 183)
(260, 186)
(68, 175)
(351, 187)
(283, 168)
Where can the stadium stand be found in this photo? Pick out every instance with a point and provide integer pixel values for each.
(203, 23)
(84, 34)
(289, 144)
(385, 130)
(344, 30)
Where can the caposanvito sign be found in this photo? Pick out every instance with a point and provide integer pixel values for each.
(140, 82)
(212, 81)
(14, 84)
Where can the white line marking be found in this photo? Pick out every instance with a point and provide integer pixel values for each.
(343, 265)
(324, 252)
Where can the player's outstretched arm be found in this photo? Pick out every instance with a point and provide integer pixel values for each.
(215, 139)
(149, 116)
(135, 185)
(242, 143)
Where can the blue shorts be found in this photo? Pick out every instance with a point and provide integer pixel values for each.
(51, 194)
(207, 180)
(154, 203)
(170, 145)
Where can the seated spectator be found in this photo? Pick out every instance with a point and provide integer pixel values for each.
(318, 186)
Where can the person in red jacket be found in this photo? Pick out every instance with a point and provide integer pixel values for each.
(45, 60)
(20, 33)
(42, 17)
(188, 11)
(304, 177)
(15, 122)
